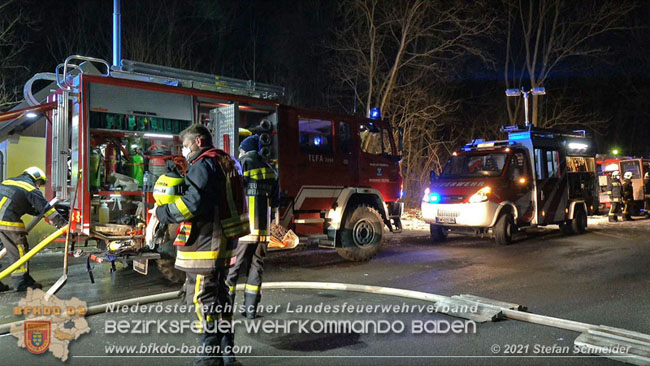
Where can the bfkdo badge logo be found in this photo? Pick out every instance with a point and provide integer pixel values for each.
(37, 335)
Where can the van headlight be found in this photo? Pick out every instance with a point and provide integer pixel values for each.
(481, 195)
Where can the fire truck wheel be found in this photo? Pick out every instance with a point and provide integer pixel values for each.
(438, 233)
(362, 234)
(504, 228)
(169, 272)
(579, 222)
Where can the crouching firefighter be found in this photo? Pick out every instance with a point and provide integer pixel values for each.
(212, 215)
(615, 191)
(263, 195)
(20, 196)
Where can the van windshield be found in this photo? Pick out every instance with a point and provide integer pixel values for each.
(468, 166)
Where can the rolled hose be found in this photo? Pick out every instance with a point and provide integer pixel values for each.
(377, 290)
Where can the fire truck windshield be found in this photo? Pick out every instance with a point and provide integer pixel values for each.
(469, 166)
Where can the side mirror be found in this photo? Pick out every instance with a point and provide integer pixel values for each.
(432, 176)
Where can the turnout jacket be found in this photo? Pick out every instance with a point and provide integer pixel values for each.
(628, 191)
(212, 212)
(615, 190)
(19, 196)
(262, 191)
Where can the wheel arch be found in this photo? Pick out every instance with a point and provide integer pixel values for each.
(345, 204)
(572, 208)
(504, 207)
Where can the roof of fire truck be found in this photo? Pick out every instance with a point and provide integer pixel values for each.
(25, 114)
(520, 134)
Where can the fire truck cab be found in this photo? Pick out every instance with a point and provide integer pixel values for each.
(115, 130)
(534, 178)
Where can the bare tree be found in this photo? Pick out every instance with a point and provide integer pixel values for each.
(396, 56)
(545, 36)
(10, 48)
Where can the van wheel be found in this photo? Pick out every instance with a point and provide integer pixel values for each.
(565, 228)
(438, 233)
(579, 222)
(362, 234)
(503, 229)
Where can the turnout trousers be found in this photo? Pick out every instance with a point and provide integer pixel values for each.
(16, 244)
(250, 258)
(614, 210)
(209, 294)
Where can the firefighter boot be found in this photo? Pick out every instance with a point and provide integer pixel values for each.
(613, 218)
(210, 342)
(4, 287)
(250, 304)
(24, 282)
(227, 345)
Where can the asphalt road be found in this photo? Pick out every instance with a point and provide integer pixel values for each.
(601, 277)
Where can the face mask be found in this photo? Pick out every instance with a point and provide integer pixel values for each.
(186, 152)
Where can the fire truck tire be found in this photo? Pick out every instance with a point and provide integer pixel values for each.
(362, 234)
(169, 272)
(579, 222)
(438, 233)
(504, 228)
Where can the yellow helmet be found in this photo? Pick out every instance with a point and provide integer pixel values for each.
(36, 173)
(168, 188)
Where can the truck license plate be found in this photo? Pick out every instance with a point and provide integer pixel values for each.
(141, 266)
(446, 220)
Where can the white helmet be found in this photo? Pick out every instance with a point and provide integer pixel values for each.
(37, 174)
(627, 175)
(616, 174)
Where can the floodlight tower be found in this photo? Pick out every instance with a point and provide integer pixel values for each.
(526, 94)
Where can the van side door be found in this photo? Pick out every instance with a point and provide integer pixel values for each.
(521, 186)
(551, 187)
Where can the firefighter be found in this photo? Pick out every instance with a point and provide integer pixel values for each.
(646, 194)
(628, 196)
(263, 195)
(615, 191)
(20, 196)
(212, 216)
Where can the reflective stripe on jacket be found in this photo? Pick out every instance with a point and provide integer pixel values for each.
(19, 196)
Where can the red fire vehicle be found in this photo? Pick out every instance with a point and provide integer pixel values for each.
(116, 128)
(534, 178)
(637, 166)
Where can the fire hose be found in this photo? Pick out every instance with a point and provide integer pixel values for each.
(40, 246)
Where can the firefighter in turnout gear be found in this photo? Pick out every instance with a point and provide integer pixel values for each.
(263, 195)
(628, 196)
(615, 191)
(212, 215)
(646, 194)
(20, 196)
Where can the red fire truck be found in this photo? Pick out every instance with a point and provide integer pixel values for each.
(534, 178)
(117, 128)
(637, 166)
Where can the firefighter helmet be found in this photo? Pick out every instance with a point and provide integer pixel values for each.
(616, 174)
(37, 174)
(627, 175)
(168, 188)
